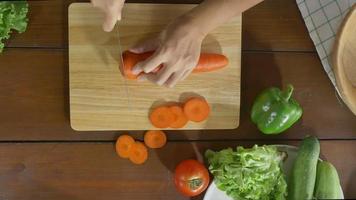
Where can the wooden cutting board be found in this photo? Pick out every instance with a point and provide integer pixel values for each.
(101, 99)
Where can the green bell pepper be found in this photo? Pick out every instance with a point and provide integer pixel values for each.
(274, 111)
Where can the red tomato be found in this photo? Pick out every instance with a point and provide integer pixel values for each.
(191, 177)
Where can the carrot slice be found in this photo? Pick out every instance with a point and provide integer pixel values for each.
(162, 117)
(197, 109)
(155, 139)
(138, 153)
(123, 145)
(180, 118)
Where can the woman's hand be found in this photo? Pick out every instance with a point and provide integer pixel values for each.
(177, 48)
(112, 10)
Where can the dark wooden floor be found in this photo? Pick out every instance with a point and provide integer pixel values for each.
(41, 157)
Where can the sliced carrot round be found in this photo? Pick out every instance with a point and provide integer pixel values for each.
(138, 153)
(197, 109)
(180, 118)
(162, 117)
(155, 139)
(123, 145)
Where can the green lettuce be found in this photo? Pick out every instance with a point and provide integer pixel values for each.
(251, 174)
(13, 16)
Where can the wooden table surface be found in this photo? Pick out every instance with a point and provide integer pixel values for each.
(41, 157)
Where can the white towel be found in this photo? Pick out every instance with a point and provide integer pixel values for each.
(323, 19)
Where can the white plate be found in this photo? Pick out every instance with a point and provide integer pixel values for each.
(213, 193)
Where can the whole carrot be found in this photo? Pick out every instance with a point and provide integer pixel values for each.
(207, 62)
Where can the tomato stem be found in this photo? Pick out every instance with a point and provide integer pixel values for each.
(195, 183)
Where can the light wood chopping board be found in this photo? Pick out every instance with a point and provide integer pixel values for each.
(344, 58)
(101, 99)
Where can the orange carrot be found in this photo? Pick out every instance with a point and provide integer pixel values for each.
(162, 117)
(155, 139)
(180, 118)
(196, 109)
(123, 145)
(138, 153)
(207, 62)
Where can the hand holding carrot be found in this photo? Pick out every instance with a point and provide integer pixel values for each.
(177, 48)
(112, 10)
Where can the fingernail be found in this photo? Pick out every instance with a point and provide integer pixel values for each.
(159, 83)
(136, 70)
(107, 28)
(134, 50)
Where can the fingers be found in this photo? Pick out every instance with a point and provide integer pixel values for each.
(164, 74)
(148, 45)
(174, 79)
(112, 10)
(149, 64)
(110, 21)
(186, 74)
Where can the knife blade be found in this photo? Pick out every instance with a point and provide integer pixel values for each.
(121, 60)
(121, 67)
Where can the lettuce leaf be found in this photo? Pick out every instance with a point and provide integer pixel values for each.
(251, 174)
(13, 16)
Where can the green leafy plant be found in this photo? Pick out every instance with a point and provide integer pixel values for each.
(251, 174)
(13, 16)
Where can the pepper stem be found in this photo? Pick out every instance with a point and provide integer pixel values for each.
(287, 93)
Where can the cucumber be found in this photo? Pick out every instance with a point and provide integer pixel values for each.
(302, 180)
(327, 185)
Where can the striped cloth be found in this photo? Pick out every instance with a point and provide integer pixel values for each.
(323, 19)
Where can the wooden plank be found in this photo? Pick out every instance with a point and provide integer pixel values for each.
(34, 98)
(93, 170)
(273, 25)
(46, 27)
(101, 99)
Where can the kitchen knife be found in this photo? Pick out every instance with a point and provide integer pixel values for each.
(121, 67)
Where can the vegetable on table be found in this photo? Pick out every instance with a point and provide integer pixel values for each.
(302, 180)
(197, 109)
(180, 119)
(162, 117)
(13, 16)
(274, 111)
(191, 177)
(251, 174)
(123, 145)
(207, 62)
(138, 153)
(327, 185)
(155, 139)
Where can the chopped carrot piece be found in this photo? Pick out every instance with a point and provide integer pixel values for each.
(162, 117)
(180, 118)
(197, 109)
(138, 153)
(155, 139)
(123, 145)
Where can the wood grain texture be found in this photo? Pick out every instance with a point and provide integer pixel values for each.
(93, 170)
(274, 25)
(344, 59)
(34, 98)
(101, 99)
